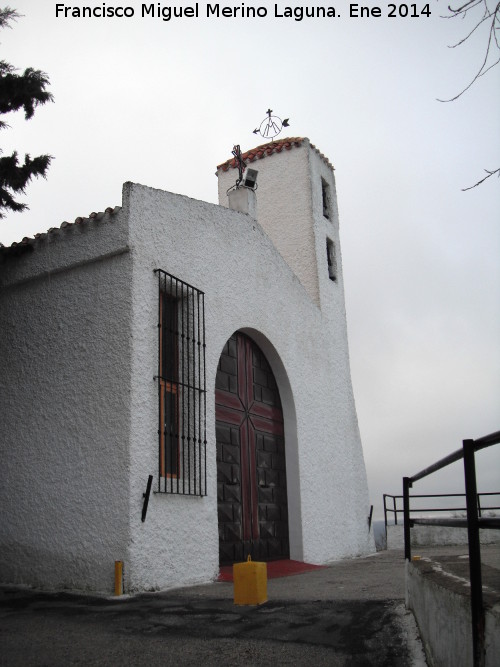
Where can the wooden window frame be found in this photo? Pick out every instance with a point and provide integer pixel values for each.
(169, 386)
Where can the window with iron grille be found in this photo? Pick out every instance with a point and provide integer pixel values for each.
(181, 387)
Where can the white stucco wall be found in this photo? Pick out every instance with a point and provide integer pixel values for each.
(200, 243)
(254, 291)
(79, 400)
(65, 406)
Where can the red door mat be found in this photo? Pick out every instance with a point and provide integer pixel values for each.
(275, 569)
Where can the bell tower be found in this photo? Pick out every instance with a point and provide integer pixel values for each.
(296, 205)
(297, 208)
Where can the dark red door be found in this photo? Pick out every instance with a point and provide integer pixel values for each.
(251, 471)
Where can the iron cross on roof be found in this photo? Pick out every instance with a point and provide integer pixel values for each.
(271, 126)
(240, 162)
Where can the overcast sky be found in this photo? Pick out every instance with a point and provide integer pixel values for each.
(162, 103)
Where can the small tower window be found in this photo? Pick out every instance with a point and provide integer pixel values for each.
(332, 262)
(325, 193)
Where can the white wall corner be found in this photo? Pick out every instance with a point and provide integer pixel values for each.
(243, 200)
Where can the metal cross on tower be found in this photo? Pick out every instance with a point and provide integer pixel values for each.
(240, 162)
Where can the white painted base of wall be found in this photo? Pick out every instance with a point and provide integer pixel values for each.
(444, 620)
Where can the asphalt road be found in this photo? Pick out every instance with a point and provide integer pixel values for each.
(350, 614)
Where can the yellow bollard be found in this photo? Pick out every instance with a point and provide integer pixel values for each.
(118, 577)
(250, 582)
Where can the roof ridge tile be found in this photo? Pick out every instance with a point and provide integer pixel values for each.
(260, 152)
(109, 211)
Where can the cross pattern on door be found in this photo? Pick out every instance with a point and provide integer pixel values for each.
(252, 499)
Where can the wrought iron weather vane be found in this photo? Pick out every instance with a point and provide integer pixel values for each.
(271, 126)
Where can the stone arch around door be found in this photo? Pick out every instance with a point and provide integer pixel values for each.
(251, 463)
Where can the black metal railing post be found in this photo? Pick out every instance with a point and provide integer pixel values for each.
(473, 522)
(476, 589)
(385, 518)
(406, 515)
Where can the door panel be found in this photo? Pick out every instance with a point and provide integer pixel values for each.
(251, 471)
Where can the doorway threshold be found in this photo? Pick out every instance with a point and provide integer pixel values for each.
(275, 569)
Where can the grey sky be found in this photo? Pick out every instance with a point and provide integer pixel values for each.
(163, 103)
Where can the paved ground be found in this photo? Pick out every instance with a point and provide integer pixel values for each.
(351, 614)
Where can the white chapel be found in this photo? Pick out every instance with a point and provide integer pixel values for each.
(175, 389)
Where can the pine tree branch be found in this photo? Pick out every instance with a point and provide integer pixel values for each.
(26, 91)
(7, 15)
(19, 91)
(14, 178)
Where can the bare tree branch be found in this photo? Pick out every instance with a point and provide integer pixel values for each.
(489, 174)
(480, 23)
(491, 16)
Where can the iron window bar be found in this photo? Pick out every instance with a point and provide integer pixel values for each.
(181, 377)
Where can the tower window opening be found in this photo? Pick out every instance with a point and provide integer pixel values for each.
(331, 259)
(325, 194)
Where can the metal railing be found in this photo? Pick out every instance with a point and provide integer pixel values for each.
(473, 523)
(397, 507)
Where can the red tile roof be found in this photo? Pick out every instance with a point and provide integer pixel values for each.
(268, 149)
(64, 225)
(251, 155)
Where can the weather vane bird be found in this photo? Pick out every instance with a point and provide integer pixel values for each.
(271, 126)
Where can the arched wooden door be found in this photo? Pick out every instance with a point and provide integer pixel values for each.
(251, 471)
